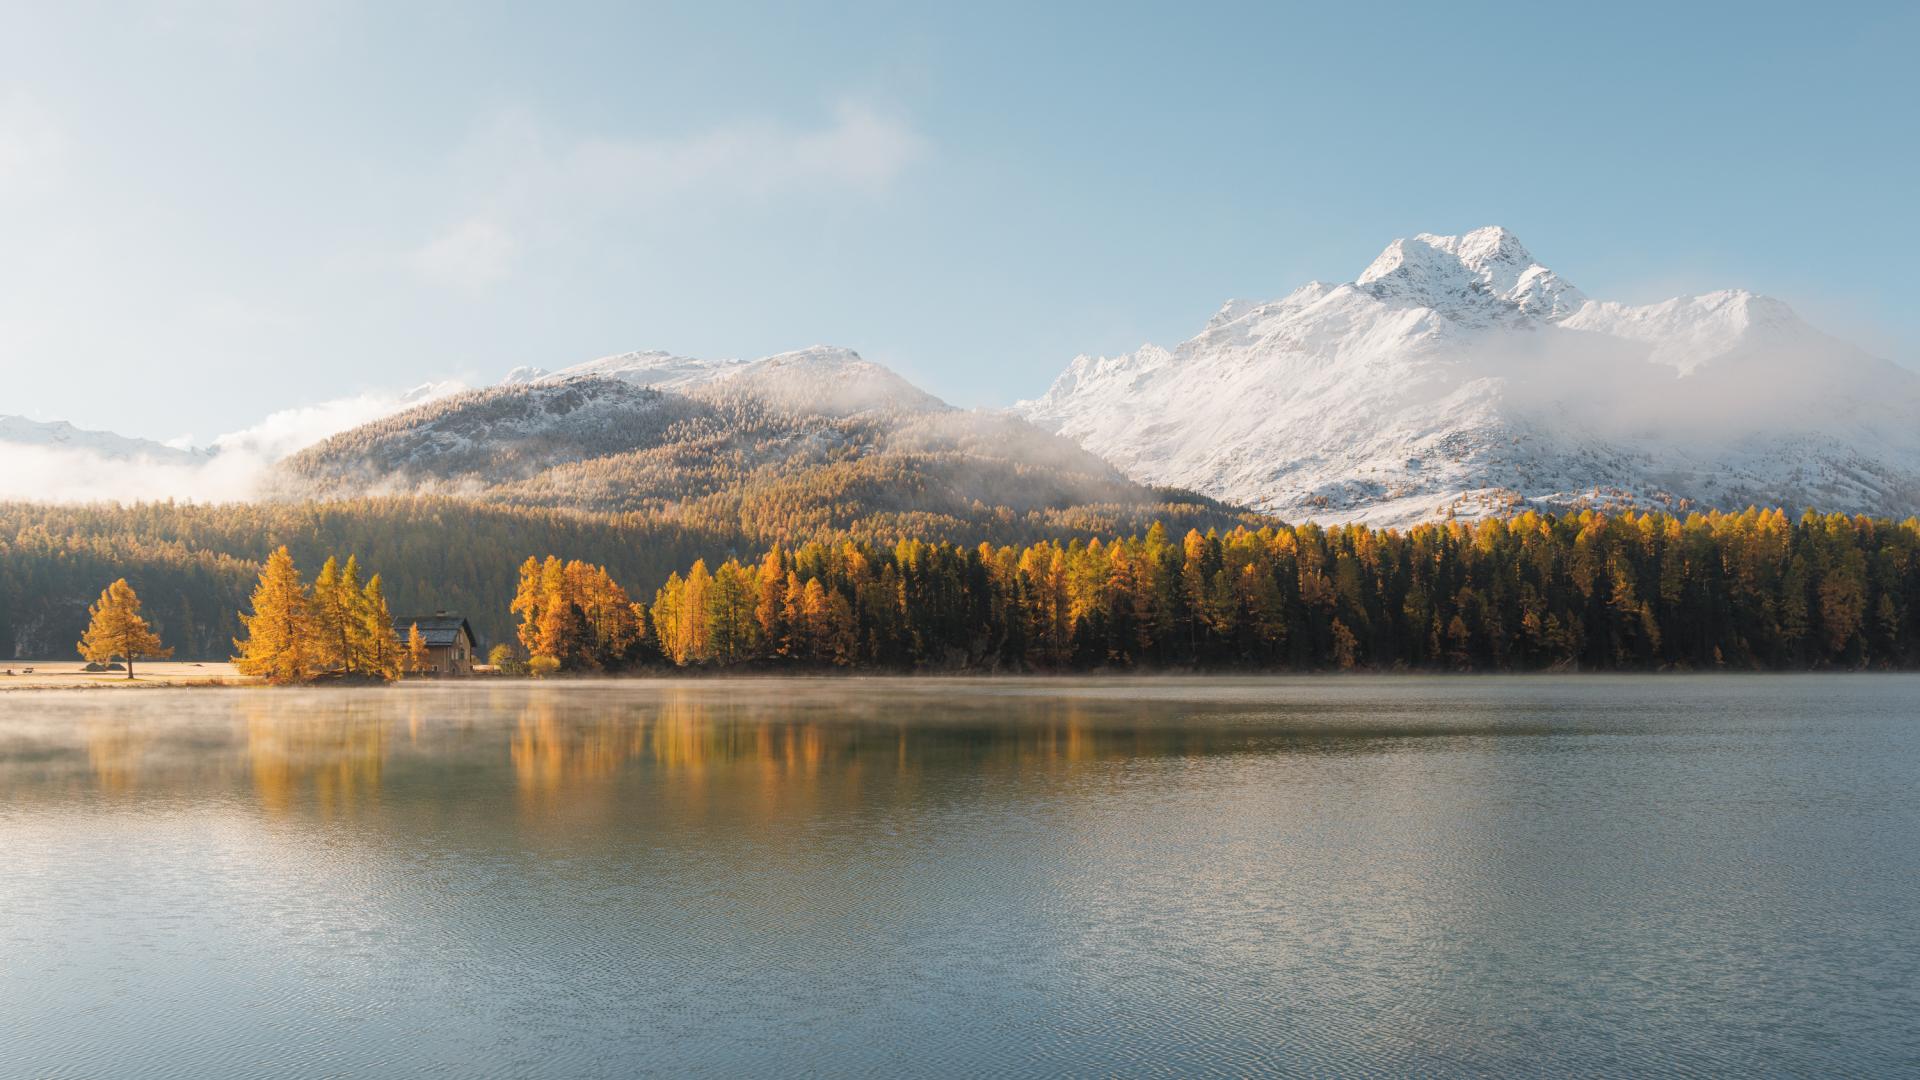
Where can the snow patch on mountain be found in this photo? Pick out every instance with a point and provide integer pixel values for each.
(493, 435)
(828, 381)
(659, 370)
(1688, 331)
(822, 379)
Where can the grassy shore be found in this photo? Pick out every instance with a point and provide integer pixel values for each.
(52, 674)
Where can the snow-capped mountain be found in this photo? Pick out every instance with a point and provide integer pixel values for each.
(60, 435)
(1460, 375)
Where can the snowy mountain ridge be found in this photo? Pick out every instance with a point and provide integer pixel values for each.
(822, 379)
(1460, 375)
(1454, 375)
(61, 435)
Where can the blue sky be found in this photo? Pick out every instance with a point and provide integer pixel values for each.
(211, 210)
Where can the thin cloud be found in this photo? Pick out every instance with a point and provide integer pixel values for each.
(472, 255)
(861, 150)
(238, 24)
(32, 147)
(521, 181)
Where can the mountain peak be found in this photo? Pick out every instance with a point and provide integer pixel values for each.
(645, 367)
(1485, 273)
(815, 354)
(832, 381)
(1231, 310)
(1485, 247)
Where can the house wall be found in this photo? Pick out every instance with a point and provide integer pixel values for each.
(455, 660)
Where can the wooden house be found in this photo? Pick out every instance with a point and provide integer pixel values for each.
(451, 646)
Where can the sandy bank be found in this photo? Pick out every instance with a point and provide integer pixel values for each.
(51, 674)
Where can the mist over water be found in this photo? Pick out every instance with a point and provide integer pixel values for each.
(1565, 876)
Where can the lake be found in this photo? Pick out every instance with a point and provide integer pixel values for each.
(1363, 876)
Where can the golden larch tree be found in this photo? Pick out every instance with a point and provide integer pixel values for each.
(117, 629)
(353, 607)
(330, 617)
(382, 657)
(418, 658)
(279, 628)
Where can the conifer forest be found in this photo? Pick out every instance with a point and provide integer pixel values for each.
(1754, 591)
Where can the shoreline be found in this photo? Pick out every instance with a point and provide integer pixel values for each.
(68, 675)
(226, 679)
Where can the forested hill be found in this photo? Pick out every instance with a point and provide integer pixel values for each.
(766, 455)
(195, 565)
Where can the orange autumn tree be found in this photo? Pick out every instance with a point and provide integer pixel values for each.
(418, 657)
(116, 628)
(279, 641)
(295, 633)
(352, 629)
(381, 655)
(574, 617)
(740, 614)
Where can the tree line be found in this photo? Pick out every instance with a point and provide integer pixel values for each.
(195, 565)
(1588, 591)
(1756, 590)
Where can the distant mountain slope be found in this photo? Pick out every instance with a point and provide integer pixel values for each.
(60, 435)
(490, 436)
(1459, 375)
(797, 445)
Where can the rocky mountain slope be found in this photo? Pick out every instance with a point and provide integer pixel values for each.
(1459, 375)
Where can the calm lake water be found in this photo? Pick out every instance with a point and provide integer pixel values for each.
(1546, 876)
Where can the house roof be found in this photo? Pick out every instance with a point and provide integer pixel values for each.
(439, 631)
